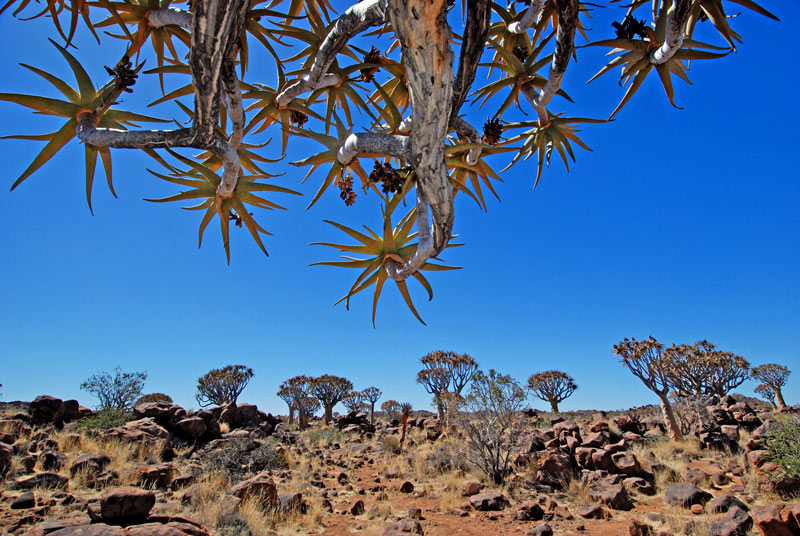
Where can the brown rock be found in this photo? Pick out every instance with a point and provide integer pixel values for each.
(407, 487)
(193, 427)
(639, 528)
(768, 520)
(592, 512)
(402, 527)
(158, 475)
(491, 501)
(472, 488)
(46, 409)
(611, 495)
(126, 503)
(530, 511)
(736, 523)
(357, 508)
(95, 529)
(260, 487)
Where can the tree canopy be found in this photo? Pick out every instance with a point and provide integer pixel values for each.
(389, 120)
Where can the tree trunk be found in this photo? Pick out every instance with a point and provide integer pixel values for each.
(554, 406)
(440, 409)
(673, 430)
(328, 413)
(291, 414)
(372, 413)
(779, 401)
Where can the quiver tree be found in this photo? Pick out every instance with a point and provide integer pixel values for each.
(354, 402)
(371, 395)
(776, 377)
(767, 393)
(700, 370)
(645, 360)
(552, 386)
(118, 391)
(222, 386)
(392, 409)
(445, 372)
(405, 414)
(296, 392)
(330, 390)
(422, 150)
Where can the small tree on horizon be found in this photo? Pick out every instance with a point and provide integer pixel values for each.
(296, 392)
(117, 392)
(445, 372)
(371, 395)
(354, 402)
(287, 394)
(775, 376)
(391, 408)
(330, 390)
(222, 386)
(646, 361)
(552, 386)
(701, 370)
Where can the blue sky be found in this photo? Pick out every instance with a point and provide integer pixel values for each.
(682, 224)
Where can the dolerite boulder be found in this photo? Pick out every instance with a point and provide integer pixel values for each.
(737, 522)
(402, 527)
(491, 501)
(611, 495)
(530, 511)
(777, 519)
(145, 429)
(46, 409)
(555, 468)
(72, 411)
(685, 495)
(156, 475)
(125, 504)
(42, 480)
(90, 465)
(5, 458)
(192, 427)
(261, 487)
(725, 502)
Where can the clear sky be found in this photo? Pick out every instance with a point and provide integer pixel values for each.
(683, 224)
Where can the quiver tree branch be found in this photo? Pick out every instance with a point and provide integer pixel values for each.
(373, 143)
(468, 132)
(565, 45)
(676, 26)
(170, 16)
(356, 19)
(476, 30)
(425, 42)
(529, 18)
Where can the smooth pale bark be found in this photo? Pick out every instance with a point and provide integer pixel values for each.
(170, 17)
(373, 143)
(673, 430)
(529, 18)
(356, 19)
(565, 45)
(554, 406)
(676, 24)
(421, 27)
(328, 413)
(780, 403)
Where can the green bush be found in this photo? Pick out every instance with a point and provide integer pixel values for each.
(105, 420)
(241, 457)
(783, 444)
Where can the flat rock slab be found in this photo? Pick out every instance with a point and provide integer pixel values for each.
(686, 495)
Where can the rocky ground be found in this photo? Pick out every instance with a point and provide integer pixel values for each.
(235, 471)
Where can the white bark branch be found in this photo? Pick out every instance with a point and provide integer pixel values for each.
(88, 132)
(676, 25)
(421, 26)
(405, 126)
(529, 18)
(356, 19)
(233, 99)
(374, 143)
(170, 17)
(565, 44)
(470, 133)
(426, 247)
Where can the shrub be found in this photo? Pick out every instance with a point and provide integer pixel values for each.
(241, 456)
(783, 444)
(105, 420)
(118, 391)
(153, 397)
(222, 386)
(490, 423)
(326, 436)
